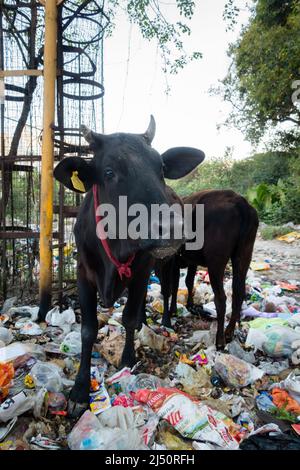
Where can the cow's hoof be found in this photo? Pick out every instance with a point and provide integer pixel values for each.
(229, 336)
(75, 410)
(166, 324)
(128, 360)
(220, 345)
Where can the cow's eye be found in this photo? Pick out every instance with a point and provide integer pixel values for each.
(108, 174)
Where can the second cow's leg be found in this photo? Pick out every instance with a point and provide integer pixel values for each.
(216, 275)
(189, 281)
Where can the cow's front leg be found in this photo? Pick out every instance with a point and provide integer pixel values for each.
(79, 396)
(131, 314)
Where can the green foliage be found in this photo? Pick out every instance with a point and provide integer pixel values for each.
(272, 231)
(265, 63)
(270, 181)
(264, 196)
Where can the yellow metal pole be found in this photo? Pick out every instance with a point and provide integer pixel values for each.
(46, 208)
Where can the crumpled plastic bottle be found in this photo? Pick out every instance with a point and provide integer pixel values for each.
(140, 381)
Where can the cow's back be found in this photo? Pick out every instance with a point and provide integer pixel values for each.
(228, 217)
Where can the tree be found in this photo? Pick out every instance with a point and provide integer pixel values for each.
(264, 70)
(152, 18)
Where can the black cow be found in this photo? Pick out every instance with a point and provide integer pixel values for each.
(230, 226)
(123, 165)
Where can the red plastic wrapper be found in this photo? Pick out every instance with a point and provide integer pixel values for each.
(123, 400)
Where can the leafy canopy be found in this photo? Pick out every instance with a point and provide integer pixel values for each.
(154, 21)
(265, 62)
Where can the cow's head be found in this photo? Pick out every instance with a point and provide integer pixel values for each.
(127, 165)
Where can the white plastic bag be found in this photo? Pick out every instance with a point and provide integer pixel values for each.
(6, 335)
(117, 417)
(56, 318)
(279, 340)
(71, 345)
(16, 406)
(46, 375)
(190, 418)
(292, 385)
(89, 434)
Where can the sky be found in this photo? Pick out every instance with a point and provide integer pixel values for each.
(135, 85)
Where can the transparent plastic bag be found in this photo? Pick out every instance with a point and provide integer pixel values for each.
(235, 372)
(278, 342)
(47, 375)
(136, 382)
(89, 434)
(118, 417)
(6, 335)
(71, 345)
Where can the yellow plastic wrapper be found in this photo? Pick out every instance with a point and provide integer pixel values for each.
(289, 237)
(182, 295)
(158, 305)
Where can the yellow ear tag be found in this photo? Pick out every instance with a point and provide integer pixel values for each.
(77, 183)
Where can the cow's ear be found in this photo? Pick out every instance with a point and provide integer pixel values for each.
(75, 173)
(179, 161)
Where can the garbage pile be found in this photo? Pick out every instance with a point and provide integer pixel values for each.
(181, 395)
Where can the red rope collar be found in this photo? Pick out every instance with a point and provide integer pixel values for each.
(123, 269)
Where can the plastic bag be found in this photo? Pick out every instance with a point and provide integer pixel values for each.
(136, 382)
(118, 417)
(15, 350)
(71, 345)
(196, 383)
(25, 311)
(30, 328)
(236, 372)
(279, 341)
(16, 405)
(264, 401)
(56, 318)
(292, 385)
(274, 368)
(235, 349)
(271, 442)
(89, 434)
(189, 417)
(46, 375)
(149, 338)
(6, 335)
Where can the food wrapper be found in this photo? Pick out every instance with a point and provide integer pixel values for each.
(100, 400)
(189, 417)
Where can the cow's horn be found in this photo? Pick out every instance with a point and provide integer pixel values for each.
(87, 134)
(150, 132)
